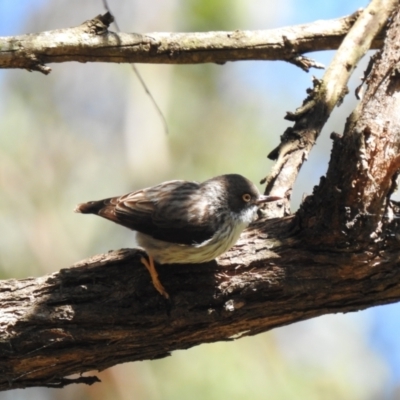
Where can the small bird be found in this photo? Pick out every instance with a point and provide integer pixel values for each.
(183, 222)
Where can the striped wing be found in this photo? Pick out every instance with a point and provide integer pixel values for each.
(173, 211)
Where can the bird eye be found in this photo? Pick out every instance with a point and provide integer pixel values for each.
(246, 197)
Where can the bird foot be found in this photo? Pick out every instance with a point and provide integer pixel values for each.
(149, 264)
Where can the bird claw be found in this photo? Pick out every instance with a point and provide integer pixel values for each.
(149, 264)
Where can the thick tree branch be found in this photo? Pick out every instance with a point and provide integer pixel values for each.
(297, 141)
(105, 311)
(364, 166)
(93, 42)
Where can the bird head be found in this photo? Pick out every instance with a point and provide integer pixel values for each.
(239, 196)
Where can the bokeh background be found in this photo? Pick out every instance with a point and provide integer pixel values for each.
(89, 131)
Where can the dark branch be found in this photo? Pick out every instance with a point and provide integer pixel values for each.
(104, 310)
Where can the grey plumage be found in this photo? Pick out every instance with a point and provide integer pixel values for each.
(185, 222)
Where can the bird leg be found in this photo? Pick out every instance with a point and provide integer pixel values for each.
(154, 276)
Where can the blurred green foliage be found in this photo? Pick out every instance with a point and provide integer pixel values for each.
(211, 15)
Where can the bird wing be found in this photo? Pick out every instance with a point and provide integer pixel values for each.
(173, 211)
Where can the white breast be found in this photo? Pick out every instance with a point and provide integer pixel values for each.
(222, 241)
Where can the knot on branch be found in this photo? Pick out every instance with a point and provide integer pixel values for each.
(98, 25)
(290, 141)
(297, 58)
(33, 63)
(309, 102)
(305, 63)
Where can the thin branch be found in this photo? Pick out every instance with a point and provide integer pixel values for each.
(140, 78)
(297, 141)
(93, 42)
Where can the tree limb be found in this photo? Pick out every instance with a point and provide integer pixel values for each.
(93, 42)
(104, 310)
(353, 199)
(297, 141)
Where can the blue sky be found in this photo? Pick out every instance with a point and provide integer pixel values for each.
(13, 14)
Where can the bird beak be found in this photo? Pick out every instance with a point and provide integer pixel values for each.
(265, 199)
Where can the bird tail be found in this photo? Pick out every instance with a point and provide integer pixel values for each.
(93, 207)
(104, 208)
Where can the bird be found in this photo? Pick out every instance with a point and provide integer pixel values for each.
(184, 222)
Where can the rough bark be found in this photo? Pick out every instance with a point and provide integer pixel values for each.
(352, 201)
(104, 311)
(310, 118)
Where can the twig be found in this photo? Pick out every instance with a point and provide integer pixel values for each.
(140, 78)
